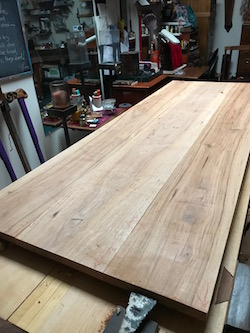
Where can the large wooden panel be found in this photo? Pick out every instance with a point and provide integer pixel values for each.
(199, 6)
(146, 201)
(65, 301)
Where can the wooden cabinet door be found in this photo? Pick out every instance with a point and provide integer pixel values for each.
(243, 68)
(202, 12)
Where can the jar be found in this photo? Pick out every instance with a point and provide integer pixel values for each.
(60, 94)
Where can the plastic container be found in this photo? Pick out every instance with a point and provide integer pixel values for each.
(77, 48)
(109, 104)
(109, 45)
(75, 96)
(97, 101)
(60, 94)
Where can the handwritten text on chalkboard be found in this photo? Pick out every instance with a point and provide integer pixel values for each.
(13, 52)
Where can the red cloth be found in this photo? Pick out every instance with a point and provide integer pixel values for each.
(176, 55)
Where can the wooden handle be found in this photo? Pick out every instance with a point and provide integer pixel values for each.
(229, 8)
(11, 95)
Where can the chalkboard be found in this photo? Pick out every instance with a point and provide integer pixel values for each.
(14, 54)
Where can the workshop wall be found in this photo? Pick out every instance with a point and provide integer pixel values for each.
(50, 144)
(55, 142)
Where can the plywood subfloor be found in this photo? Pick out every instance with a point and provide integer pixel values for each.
(146, 202)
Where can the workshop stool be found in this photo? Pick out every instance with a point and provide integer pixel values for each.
(63, 114)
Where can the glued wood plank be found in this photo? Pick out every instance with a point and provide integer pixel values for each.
(158, 196)
(192, 215)
(218, 311)
(85, 298)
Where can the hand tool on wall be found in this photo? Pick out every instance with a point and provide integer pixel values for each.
(4, 106)
(132, 319)
(20, 95)
(229, 8)
(4, 157)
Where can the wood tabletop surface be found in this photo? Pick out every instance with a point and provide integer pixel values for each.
(147, 201)
(39, 295)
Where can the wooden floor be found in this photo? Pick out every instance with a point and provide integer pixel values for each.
(146, 202)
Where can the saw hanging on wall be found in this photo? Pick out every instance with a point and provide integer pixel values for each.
(229, 8)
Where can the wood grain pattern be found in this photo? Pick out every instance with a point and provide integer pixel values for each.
(76, 299)
(153, 208)
(218, 311)
(86, 298)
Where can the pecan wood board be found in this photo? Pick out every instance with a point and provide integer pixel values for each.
(147, 201)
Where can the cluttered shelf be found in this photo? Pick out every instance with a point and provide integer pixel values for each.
(125, 91)
(93, 122)
(136, 92)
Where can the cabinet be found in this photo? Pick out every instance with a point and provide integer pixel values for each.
(205, 13)
(243, 68)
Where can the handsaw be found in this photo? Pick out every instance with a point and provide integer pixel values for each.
(138, 308)
(132, 319)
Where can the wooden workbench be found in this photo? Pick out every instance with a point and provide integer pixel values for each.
(137, 92)
(189, 73)
(153, 208)
(39, 295)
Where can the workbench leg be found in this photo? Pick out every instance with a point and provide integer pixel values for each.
(32, 131)
(4, 157)
(13, 132)
(66, 132)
